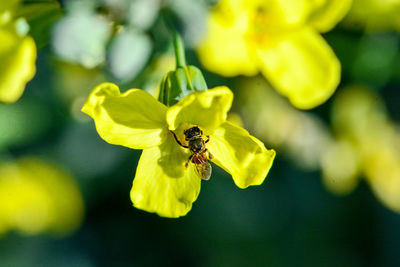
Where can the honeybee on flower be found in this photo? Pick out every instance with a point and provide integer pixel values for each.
(166, 182)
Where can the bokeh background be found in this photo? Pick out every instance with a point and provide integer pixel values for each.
(332, 197)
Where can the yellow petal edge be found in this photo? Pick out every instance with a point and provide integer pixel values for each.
(329, 12)
(134, 119)
(240, 154)
(207, 109)
(302, 67)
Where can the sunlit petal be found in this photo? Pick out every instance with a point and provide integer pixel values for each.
(207, 109)
(240, 154)
(327, 13)
(163, 184)
(281, 13)
(224, 49)
(133, 119)
(301, 66)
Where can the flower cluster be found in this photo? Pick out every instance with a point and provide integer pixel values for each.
(279, 38)
(367, 146)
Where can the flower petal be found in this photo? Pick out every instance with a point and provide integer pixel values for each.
(133, 119)
(224, 49)
(328, 13)
(281, 13)
(207, 109)
(240, 154)
(17, 56)
(301, 66)
(162, 183)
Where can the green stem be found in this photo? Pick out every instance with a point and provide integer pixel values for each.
(179, 49)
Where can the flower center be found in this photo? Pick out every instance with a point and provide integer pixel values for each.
(259, 24)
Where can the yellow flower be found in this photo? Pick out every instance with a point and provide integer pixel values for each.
(368, 146)
(163, 184)
(17, 57)
(38, 197)
(281, 39)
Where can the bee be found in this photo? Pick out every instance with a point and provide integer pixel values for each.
(197, 146)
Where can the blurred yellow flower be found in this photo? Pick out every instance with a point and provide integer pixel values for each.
(369, 146)
(364, 144)
(38, 197)
(300, 134)
(17, 56)
(374, 15)
(163, 184)
(281, 39)
(340, 166)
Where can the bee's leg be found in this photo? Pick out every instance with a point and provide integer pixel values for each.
(210, 156)
(208, 139)
(187, 162)
(176, 138)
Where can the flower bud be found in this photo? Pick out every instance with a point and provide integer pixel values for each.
(179, 83)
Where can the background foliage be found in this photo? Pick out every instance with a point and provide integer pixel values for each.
(298, 217)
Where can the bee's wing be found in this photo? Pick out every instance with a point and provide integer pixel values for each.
(204, 170)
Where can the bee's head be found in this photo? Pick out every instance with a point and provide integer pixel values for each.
(192, 132)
